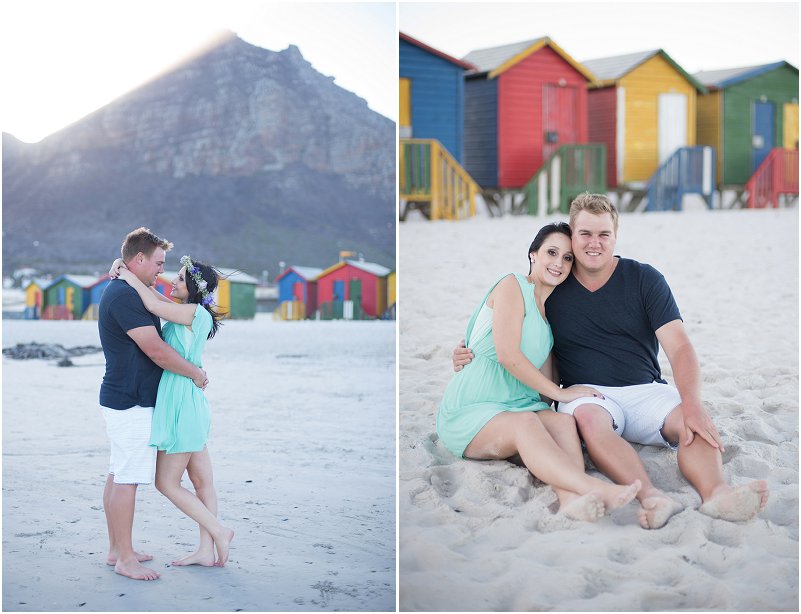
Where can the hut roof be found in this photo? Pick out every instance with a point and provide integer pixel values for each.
(82, 281)
(610, 69)
(719, 79)
(496, 60)
(38, 281)
(371, 267)
(437, 52)
(237, 276)
(306, 272)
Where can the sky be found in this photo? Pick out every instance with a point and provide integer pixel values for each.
(62, 59)
(698, 36)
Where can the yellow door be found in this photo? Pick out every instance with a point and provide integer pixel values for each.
(791, 125)
(405, 110)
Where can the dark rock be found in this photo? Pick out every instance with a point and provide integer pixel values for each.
(27, 351)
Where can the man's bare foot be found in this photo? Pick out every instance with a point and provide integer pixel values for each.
(657, 509)
(735, 503)
(222, 544)
(135, 570)
(112, 558)
(201, 556)
(617, 496)
(588, 508)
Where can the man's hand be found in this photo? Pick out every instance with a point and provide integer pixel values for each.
(461, 356)
(201, 381)
(698, 421)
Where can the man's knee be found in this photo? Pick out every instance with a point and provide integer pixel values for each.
(592, 420)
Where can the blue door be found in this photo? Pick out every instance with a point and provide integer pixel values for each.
(339, 290)
(764, 132)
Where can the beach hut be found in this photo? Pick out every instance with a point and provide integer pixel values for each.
(391, 312)
(236, 294)
(93, 294)
(67, 297)
(522, 103)
(643, 109)
(353, 289)
(297, 292)
(34, 299)
(748, 112)
(431, 94)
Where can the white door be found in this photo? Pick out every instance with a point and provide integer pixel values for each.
(672, 124)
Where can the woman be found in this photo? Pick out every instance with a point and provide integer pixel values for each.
(499, 404)
(181, 418)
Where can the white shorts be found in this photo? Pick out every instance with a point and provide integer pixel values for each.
(133, 459)
(638, 412)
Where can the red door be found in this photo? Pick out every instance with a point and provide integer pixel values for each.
(559, 117)
(297, 291)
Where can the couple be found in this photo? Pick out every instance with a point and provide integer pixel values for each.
(605, 318)
(152, 398)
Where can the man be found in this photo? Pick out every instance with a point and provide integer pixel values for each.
(608, 320)
(135, 357)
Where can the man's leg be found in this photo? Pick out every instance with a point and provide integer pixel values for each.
(702, 465)
(113, 550)
(120, 514)
(616, 459)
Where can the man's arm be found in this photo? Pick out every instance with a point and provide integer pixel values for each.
(687, 377)
(148, 340)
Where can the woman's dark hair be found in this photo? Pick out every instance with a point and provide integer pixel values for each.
(212, 277)
(543, 234)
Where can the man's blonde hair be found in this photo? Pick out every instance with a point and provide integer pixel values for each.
(142, 240)
(597, 204)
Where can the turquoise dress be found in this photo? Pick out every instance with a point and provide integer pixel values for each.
(484, 388)
(182, 418)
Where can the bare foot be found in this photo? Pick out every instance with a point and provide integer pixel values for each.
(201, 556)
(618, 496)
(589, 507)
(656, 510)
(135, 570)
(222, 545)
(112, 558)
(735, 503)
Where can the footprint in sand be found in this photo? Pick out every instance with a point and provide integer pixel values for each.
(443, 481)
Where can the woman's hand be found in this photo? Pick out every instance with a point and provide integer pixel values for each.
(461, 356)
(124, 273)
(114, 271)
(576, 392)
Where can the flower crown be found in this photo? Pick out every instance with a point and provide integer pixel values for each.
(194, 271)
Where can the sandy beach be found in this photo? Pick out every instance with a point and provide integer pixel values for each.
(303, 447)
(483, 535)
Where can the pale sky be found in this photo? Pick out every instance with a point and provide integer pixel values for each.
(698, 36)
(62, 59)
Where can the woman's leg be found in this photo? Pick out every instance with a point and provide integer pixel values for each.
(525, 434)
(169, 470)
(200, 474)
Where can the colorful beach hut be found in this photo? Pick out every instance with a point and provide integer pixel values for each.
(297, 292)
(67, 297)
(236, 294)
(34, 299)
(354, 284)
(93, 294)
(643, 109)
(748, 112)
(431, 94)
(522, 103)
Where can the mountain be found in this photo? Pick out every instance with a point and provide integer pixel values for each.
(241, 156)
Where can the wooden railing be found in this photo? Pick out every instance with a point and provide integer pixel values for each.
(571, 170)
(690, 170)
(777, 175)
(432, 181)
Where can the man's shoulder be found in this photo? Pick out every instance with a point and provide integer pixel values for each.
(631, 266)
(117, 289)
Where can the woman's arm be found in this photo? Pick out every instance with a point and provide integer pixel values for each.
(180, 313)
(507, 328)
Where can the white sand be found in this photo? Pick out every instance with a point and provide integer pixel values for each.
(482, 536)
(303, 448)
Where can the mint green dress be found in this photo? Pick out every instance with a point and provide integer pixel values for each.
(484, 388)
(182, 418)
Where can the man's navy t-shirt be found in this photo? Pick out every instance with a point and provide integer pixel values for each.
(131, 377)
(607, 337)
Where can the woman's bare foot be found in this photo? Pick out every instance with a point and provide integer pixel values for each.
(112, 557)
(135, 570)
(201, 556)
(656, 510)
(588, 508)
(222, 544)
(617, 496)
(735, 503)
